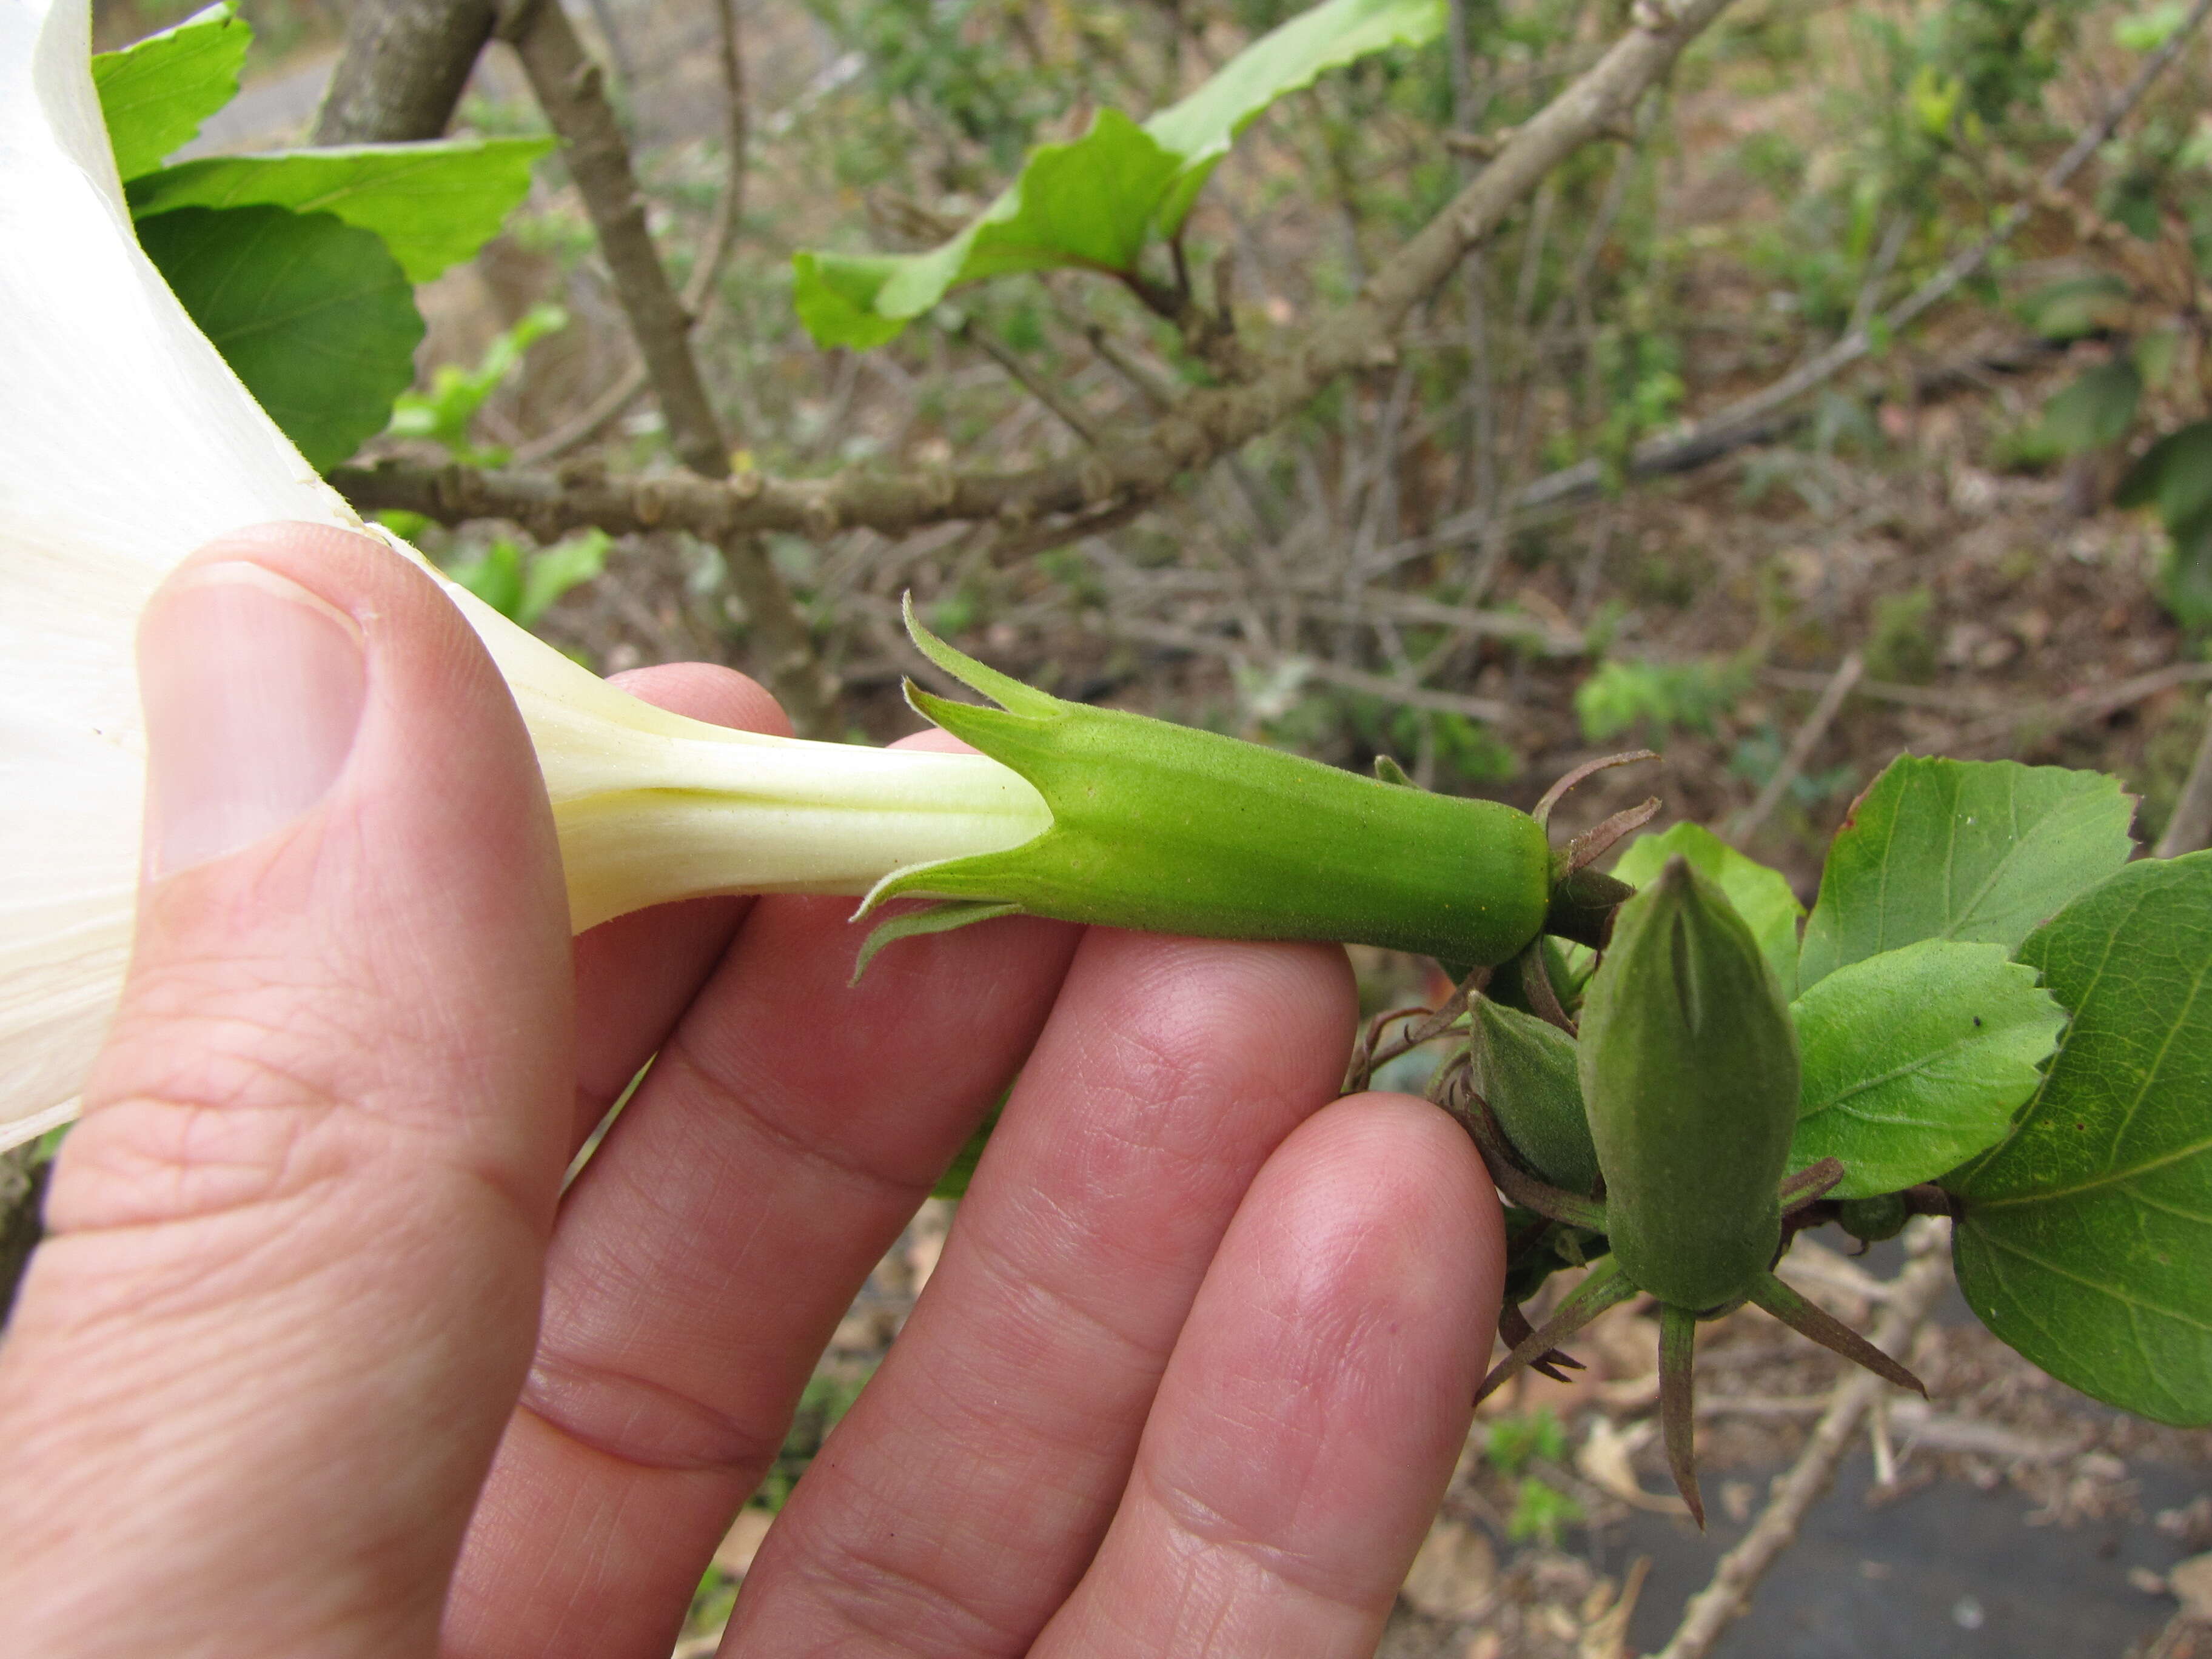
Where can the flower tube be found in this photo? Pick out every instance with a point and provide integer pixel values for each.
(126, 442)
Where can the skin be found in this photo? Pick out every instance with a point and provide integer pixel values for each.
(318, 1356)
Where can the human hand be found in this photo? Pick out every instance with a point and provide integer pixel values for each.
(317, 1357)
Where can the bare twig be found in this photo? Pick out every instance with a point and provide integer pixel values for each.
(1801, 746)
(2091, 703)
(1745, 419)
(1728, 1595)
(1958, 704)
(566, 84)
(1036, 384)
(1142, 381)
(2190, 827)
(1208, 422)
(1329, 674)
(703, 288)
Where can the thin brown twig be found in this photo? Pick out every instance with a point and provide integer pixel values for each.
(1208, 422)
(2090, 703)
(1724, 1599)
(568, 86)
(1351, 679)
(1030, 381)
(703, 288)
(1959, 704)
(1847, 674)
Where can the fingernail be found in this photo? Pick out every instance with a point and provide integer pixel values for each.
(252, 688)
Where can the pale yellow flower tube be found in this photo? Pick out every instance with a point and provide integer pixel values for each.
(126, 442)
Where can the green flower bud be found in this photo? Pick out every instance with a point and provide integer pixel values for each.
(1524, 1066)
(1870, 1220)
(1689, 1070)
(1159, 827)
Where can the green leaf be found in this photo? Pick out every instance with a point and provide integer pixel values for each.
(1982, 851)
(1202, 127)
(312, 314)
(495, 575)
(2095, 411)
(2149, 31)
(2086, 1242)
(1095, 203)
(1657, 696)
(2174, 475)
(1761, 896)
(433, 204)
(155, 93)
(445, 413)
(1085, 203)
(1916, 1059)
(557, 568)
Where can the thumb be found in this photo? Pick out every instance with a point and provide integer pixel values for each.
(291, 1279)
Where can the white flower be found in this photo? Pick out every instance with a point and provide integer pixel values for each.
(126, 442)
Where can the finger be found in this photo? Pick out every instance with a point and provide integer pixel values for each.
(1310, 1420)
(788, 1132)
(636, 974)
(963, 1497)
(259, 1366)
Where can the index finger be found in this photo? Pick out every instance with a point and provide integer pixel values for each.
(786, 1134)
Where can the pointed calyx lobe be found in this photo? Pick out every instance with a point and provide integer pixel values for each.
(1163, 828)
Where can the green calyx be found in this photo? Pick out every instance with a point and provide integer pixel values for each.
(1162, 828)
(1689, 1070)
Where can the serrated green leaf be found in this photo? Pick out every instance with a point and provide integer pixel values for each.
(433, 204)
(312, 314)
(1201, 128)
(1086, 204)
(1761, 896)
(2086, 1242)
(1095, 203)
(155, 93)
(1982, 851)
(2174, 475)
(2095, 411)
(1916, 1059)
